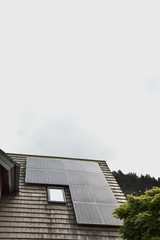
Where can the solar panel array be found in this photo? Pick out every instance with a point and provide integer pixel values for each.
(92, 197)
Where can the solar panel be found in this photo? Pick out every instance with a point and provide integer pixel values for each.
(87, 213)
(76, 178)
(94, 179)
(81, 193)
(57, 177)
(86, 179)
(82, 166)
(104, 195)
(36, 176)
(92, 194)
(99, 214)
(91, 167)
(51, 164)
(106, 211)
(38, 163)
(93, 200)
(71, 165)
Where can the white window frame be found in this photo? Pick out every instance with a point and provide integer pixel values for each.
(52, 200)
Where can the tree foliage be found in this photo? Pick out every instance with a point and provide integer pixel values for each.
(141, 216)
(132, 184)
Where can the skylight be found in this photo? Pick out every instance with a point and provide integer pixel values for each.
(56, 194)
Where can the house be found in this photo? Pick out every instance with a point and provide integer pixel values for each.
(44, 197)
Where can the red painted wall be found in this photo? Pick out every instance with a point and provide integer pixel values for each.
(4, 180)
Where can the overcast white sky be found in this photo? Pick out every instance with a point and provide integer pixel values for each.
(82, 79)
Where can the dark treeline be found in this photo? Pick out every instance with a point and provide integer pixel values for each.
(130, 183)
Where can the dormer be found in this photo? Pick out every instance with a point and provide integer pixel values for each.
(9, 174)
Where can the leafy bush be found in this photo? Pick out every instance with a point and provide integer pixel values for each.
(141, 216)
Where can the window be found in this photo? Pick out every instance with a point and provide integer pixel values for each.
(56, 195)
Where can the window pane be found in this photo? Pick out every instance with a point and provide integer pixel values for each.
(56, 195)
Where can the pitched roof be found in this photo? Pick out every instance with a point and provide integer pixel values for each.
(28, 215)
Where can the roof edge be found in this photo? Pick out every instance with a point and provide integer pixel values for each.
(49, 156)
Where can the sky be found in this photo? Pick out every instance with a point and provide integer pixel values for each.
(82, 79)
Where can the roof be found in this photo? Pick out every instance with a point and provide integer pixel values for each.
(27, 214)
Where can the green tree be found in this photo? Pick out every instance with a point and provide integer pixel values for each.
(141, 216)
(130, 183)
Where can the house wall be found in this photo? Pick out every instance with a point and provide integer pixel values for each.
(28, 215)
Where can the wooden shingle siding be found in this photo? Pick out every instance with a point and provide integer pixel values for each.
(28, 215)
